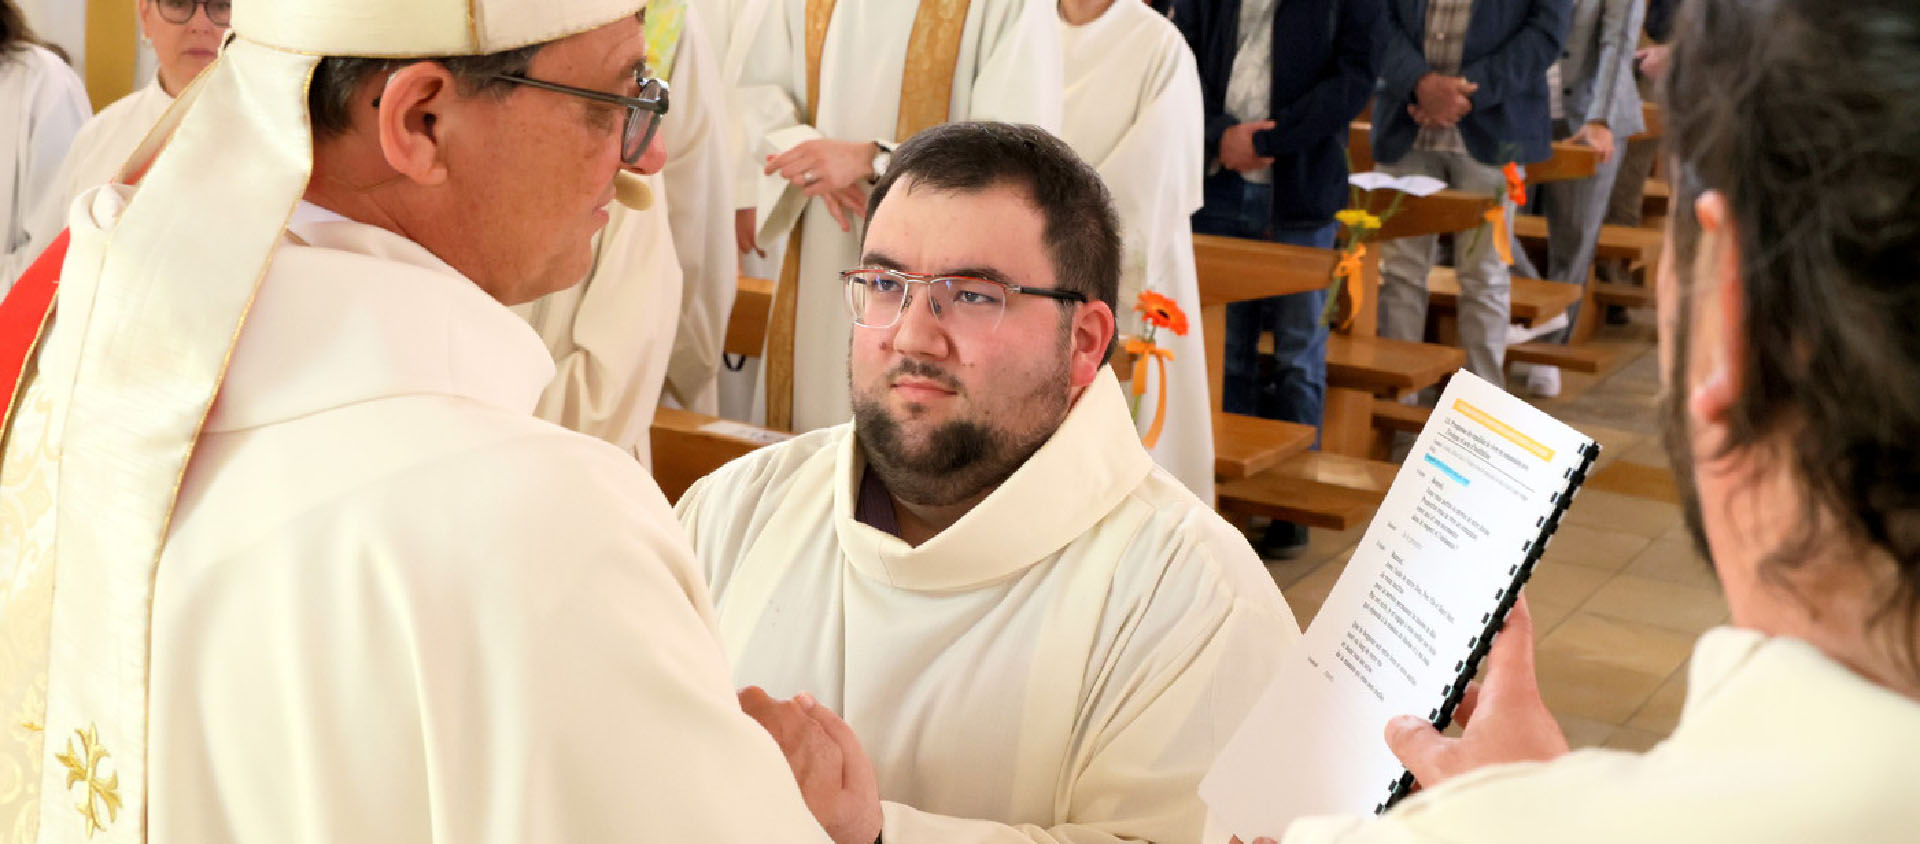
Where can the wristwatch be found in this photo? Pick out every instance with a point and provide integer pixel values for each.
(882, 158)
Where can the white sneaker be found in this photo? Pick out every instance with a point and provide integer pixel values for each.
(1544, 381)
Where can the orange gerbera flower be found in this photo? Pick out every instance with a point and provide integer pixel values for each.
(1161, 311)
(1516, 183)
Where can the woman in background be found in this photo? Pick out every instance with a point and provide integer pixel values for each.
(42, 104)
(185, 35)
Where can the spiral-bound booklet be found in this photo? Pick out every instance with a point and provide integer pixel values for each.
(1407, 623)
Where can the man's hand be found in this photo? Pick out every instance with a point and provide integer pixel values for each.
(1504, 720)
(831, 170)
(836, 778)
(745, 225)
(1653, 60)
(1236, 147)
(1598, 136)
(1440, 101)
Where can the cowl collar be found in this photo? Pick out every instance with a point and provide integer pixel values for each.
(1072, 482)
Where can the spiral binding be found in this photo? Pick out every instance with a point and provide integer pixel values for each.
(1504, 600)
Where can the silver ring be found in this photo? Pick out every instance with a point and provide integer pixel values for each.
(808, 177)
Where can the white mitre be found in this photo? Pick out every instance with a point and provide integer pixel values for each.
(147, 316)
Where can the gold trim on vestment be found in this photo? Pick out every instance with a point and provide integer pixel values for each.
(933, 55)
(926, 98)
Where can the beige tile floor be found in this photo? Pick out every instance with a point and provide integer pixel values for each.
(1620, 595)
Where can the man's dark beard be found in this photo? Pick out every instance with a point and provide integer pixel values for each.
(962, 458)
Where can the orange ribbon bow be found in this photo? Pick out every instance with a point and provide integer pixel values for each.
(1146, 350)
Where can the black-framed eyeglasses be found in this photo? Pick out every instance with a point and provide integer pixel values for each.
(877, 297)
(219, 12)
(643, 112)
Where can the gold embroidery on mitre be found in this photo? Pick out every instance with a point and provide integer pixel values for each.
(84, 768)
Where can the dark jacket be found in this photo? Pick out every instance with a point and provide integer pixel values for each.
(1510, 44)
(1322, 74)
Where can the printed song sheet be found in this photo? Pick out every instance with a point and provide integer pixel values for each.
(1484, 480)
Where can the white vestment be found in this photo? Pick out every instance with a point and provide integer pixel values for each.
(1060, 665)
(1133, 111)
(1777, 744)
(392, 605)
(1008, 69)
(45, 104)
(611, 335)
(98, 152)
(699, 180)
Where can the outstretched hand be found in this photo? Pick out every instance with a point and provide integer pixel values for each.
(836, 779)
(1504, 719)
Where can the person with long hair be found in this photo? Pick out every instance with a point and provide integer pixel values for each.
(44, 104)
(1786, 301)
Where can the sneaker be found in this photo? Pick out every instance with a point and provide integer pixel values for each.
(1517, 334)
(1544, 381)
(1283, 541)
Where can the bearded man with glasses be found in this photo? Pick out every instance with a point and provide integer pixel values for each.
(998, 620)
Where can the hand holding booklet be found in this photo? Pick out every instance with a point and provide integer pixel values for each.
(1405, 627)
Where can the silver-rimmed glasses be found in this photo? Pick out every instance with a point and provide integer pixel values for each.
(643, 112)
(877, 297)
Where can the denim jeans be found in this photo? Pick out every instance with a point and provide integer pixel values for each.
(1291, 385)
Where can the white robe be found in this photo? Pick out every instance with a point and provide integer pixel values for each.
(1777, 744)
(1060, 665)
(612, 334)
(699, 180)
(98, 152)
(1008, 69)
(393, 606)
(1133, 111)
(45, 105)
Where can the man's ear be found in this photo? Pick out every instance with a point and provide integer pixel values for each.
(1093, 330)
(1719, 315)
(407, 120)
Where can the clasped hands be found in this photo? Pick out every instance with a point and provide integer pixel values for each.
(835, 776)
(1440, 101)
(834, 171)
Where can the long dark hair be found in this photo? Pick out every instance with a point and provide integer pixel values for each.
(1802, 113)
(15, 32)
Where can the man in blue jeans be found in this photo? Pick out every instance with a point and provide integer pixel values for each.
(1280, 82)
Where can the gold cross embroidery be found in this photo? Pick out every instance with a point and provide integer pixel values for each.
(84, 766)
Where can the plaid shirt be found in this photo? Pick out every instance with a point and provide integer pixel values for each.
(1446, 39)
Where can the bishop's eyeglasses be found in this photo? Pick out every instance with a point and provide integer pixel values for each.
(878, 297)
(643, 112)
(219, 12)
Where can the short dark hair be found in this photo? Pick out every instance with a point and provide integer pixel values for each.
(1082, 231)
(330, 95)
(1802, 113)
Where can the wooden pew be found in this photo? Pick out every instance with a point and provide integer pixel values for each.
(1627, 243)
(1316, 489)
(747, 325)
(687, 446)
(1569, 160)
(1534, 300)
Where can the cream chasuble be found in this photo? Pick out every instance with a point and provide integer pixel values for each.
(699, 179)
(1060, 665)
(395, 607)
(1133, 111)
(1777, 744)
(1007, 67)
(610, 335)
(103, 145)
(45, 105)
